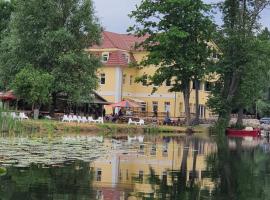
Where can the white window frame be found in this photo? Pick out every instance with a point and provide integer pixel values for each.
(167, 106)
(105, 55)
(127, 57)
(154, 104)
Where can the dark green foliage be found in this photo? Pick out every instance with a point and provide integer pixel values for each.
(6, 8)
(33, 85)
(177, 32)
(52, 36)
(244, 58)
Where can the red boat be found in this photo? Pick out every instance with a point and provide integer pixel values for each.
(243, 133)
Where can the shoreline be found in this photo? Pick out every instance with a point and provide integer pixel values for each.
(50, 126)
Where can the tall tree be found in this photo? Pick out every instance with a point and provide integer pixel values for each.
(177, 33)
(6, 8)
(255, 77)
(236, 41)
(52, 35)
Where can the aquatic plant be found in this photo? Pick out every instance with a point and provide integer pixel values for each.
(3, 171)
(8, 124)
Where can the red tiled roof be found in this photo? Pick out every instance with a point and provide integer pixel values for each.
(119, 41)
(116, 58)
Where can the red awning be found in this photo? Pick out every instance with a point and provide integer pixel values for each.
(7, 96)
(125, 104)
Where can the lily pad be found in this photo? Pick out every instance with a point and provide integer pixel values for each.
(3, 171)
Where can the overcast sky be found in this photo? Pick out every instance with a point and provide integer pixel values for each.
(113, 14)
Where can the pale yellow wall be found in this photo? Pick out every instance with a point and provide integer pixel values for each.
(138, 91)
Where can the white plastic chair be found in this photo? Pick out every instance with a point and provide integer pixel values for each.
(100, 120)
(140, 138)
(13, 115)
(90, 119)
(65, 119)
(141, 122)
(131, 122)
(84, 120)
(75, 118)
(79, 119)
(23, 116)
(130, 139)
(70, 118)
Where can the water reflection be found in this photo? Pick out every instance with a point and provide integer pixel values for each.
(159, 168)
(149, 167)
(241, 169)
(36, 182)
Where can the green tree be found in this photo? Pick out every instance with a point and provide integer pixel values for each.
(6, 8)
(254, 79)
(177, 32)
(52, 35)
(33, 85)
(236, 42)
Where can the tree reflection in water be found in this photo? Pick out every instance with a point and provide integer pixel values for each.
(175, 184)
(239, 172)
(72, 181)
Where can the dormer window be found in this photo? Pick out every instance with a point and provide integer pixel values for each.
(105, 57)
(127, 57)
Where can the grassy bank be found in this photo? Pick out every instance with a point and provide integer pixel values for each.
(49, 126)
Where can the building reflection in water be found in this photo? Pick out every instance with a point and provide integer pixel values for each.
(152, 169)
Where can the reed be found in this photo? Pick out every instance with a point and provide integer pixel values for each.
(8, 124)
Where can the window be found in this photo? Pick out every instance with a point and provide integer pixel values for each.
(98, 175)
(144, 82)
(124, 78)
(141, 176)
(181, 107)
(120, 175)
(105, 57)
(194, 85)
(165, 150)
(153, 150)
(127, 174)
(143, 107)
(167, 107)
(141, 149)
(207, 86)
(127, 57)
(155, 106)
(168, 83)
(215, 55)
(130, 80)
(99, 195)
(102, 79)
(164, 178)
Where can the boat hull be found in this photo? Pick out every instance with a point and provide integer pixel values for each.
(243, 133)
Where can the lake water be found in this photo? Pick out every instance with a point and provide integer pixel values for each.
(82, 167)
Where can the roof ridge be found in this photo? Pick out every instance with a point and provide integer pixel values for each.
(120, 35)
(110, 39)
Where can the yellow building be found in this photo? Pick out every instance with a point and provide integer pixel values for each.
(117, 78)
(124, 174)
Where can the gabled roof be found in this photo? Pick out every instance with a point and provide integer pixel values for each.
(119, 41)
(116, 58)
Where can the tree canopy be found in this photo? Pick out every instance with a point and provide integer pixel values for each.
(52, 36)
(177, 34)
(33, 85)
(242, 55)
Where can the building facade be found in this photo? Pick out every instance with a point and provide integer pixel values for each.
(117, 78)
